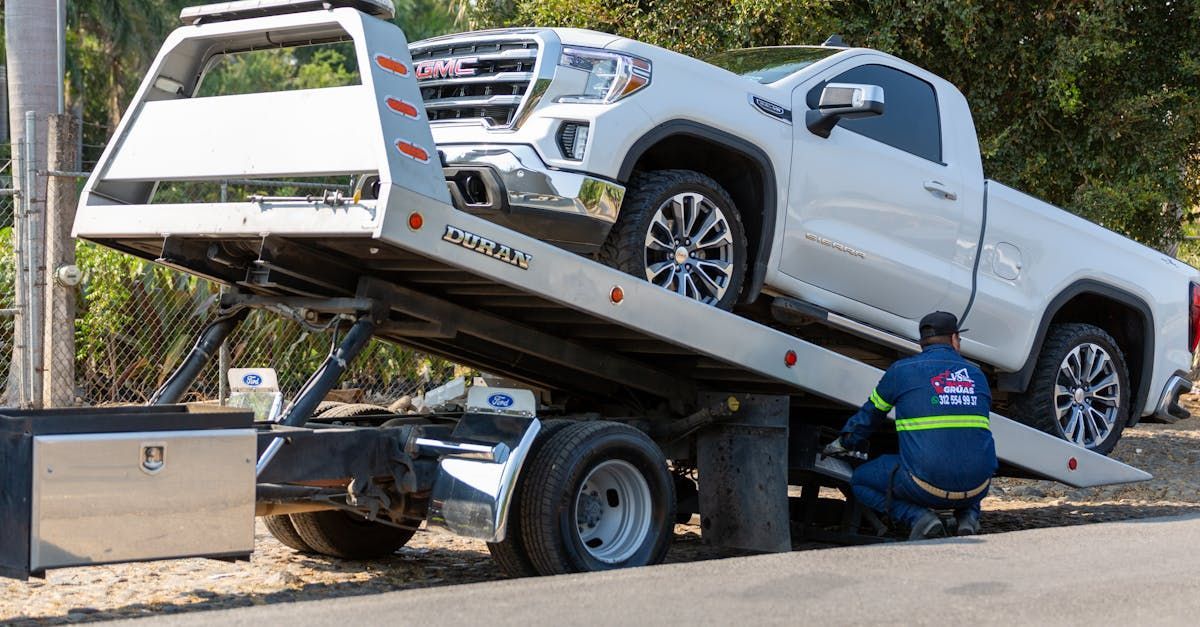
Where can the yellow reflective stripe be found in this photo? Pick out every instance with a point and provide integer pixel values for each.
(879, 403)
(942, 422)
(922, 419)
(949, 425)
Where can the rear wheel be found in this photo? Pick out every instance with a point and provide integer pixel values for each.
(1080, 388)
(680, 230)
(600, 497)
(342, 534)
(511, 554)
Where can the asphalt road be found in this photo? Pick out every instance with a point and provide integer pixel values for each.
(1140, 572)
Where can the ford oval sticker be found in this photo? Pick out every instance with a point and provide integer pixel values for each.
(500, 401)
(252, 380)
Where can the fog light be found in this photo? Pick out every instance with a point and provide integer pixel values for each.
(572, 139)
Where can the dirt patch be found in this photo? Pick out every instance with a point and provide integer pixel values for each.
(277, 574)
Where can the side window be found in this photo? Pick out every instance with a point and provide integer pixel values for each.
(910, 116)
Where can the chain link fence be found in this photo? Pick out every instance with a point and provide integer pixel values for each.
(138, 321)
(7, 264)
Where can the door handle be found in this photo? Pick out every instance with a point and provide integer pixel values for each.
(940, 188)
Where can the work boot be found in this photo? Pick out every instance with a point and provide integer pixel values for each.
(928, 526)
(968, 523)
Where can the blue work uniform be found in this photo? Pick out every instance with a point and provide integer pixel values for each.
(947, 456)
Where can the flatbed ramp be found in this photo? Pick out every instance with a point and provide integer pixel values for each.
(457, 285)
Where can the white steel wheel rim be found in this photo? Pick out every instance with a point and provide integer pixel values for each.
(1087, 395)
(613, 511)
(689, 248)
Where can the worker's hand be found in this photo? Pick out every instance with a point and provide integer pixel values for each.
(835, 449)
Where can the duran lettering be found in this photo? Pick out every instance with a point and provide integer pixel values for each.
(487, 247)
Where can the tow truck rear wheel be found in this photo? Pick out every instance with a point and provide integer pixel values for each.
(1080, 388)
(599, 497)
(510, 554)
(680, 230)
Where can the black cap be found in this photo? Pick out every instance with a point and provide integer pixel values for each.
(939, 323)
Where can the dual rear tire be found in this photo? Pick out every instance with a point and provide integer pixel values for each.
(592, 496)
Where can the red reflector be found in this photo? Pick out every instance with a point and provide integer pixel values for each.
(789, 358)
(415, 221)
(616, 295)
(1194, 317)
(401, 107)
(412, 151)
(394, 66)
(1072, 463)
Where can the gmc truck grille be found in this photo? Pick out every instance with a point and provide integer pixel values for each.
(475, 80)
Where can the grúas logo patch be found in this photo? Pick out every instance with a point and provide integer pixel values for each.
(953, 388)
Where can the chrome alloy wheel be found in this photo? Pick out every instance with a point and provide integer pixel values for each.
(1087, 395)
(613, 511)
(689, 248)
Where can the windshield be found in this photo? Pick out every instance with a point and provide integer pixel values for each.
(767, 65)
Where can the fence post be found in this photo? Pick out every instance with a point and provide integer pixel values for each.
(31, 263)
(18, 375)
(223, 354)
(61, 199)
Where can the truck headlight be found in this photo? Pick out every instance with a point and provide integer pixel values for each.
(611, 75)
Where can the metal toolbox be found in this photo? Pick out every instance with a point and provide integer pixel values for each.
(100, 485)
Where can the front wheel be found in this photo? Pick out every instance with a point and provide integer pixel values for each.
(599, 497)
(680, 230)
(1080, 388)
(343, 534)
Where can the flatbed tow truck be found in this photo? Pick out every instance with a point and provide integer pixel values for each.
(649, 405)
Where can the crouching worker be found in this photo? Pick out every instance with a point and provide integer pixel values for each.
(947, 457)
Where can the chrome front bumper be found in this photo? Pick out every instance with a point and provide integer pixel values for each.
(510, 185)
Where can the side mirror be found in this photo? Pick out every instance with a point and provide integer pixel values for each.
(843, 100)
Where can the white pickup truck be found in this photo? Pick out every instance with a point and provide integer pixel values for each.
(801, 183)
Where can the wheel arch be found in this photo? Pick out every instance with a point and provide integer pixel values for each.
(1124, 316)
(693, 146)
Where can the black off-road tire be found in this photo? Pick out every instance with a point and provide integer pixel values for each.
(355, 410)
(554, 479)
(625, 247)
(510, 554)
(1035, 407)
(280, 526)
(341, 534)
(325, 406)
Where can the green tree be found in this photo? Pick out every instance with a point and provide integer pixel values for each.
(1092, 106)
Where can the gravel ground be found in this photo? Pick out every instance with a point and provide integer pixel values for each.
(277, 574)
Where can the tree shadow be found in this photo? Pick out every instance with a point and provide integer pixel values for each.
(1073, 514)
